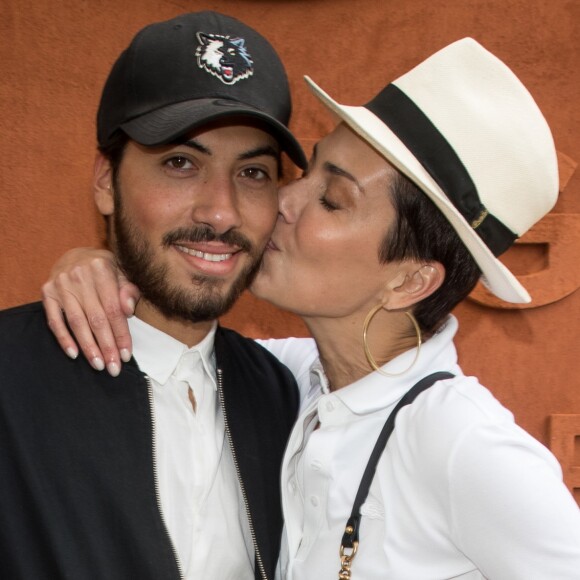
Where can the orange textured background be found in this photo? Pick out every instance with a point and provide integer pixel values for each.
(54, 57)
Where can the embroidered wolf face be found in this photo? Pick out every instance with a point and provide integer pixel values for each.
(224, 57)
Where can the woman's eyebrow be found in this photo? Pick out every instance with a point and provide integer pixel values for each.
(340, 172)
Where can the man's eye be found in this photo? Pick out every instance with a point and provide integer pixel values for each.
(179, 162)
(255, 173)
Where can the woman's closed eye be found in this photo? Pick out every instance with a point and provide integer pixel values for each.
(327, 204)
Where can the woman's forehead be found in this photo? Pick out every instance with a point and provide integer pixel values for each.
(345, 148)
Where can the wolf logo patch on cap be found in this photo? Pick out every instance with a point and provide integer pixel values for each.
(224, 57)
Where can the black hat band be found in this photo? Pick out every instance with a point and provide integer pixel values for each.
(433, 151)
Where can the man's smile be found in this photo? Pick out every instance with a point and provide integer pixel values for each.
(211, 257)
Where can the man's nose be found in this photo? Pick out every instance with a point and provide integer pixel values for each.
(216, 205)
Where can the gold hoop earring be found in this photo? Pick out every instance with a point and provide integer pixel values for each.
(368, 354)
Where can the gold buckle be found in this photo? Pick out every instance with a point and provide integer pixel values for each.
(346, 558)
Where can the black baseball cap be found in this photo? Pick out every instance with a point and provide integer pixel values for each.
(196, 68)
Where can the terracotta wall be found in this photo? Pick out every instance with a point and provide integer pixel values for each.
(54, 57)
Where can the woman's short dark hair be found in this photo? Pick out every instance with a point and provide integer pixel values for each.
(421, 232)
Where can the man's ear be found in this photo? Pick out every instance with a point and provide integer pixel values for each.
(103, 185)
(414, 283)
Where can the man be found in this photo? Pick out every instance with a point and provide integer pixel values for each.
(171, 469)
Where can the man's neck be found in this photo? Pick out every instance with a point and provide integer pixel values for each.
(185, 331)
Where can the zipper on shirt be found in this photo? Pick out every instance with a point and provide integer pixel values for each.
(156, 479)
(259, 560)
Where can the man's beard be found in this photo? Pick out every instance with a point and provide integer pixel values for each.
(203, 300)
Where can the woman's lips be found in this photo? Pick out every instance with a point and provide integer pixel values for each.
(272, 246)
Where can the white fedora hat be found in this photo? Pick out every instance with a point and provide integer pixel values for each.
(468, 133)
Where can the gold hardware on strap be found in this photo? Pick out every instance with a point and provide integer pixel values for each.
(346, 561)
(477, 222)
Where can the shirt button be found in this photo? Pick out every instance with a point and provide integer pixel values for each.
(329, 406)
(292, 487)
(316, 465)
(314, 501)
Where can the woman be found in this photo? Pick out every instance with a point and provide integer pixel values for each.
(403, 207)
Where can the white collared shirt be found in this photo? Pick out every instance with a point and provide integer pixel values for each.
(199, 491)
(461, 491)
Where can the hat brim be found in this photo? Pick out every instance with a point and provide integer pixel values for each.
(167, 124)
(376, 133)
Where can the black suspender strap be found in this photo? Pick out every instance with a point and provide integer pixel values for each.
(349, 543)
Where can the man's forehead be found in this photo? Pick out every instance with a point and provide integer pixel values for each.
(245, 140)
(241, 129)
(238, 140)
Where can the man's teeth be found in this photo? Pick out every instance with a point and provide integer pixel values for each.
(205, 255)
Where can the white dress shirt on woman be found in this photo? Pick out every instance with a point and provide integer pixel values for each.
(461, 491)
(200, 497)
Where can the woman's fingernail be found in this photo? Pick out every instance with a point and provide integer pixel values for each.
(125, 355)
(98, 363)
(113, 369)
(131, 304)
(70, 351)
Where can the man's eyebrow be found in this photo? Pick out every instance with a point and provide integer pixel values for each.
(340, 172)
(259, 151)
(194, 144)
(251, 154)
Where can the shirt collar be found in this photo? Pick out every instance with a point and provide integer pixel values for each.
(158, 354)
(318, 379)
(375, 391)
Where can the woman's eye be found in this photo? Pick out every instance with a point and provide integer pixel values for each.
(327, 204)
(179, 162)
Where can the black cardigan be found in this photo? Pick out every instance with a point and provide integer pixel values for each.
(77, 493)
